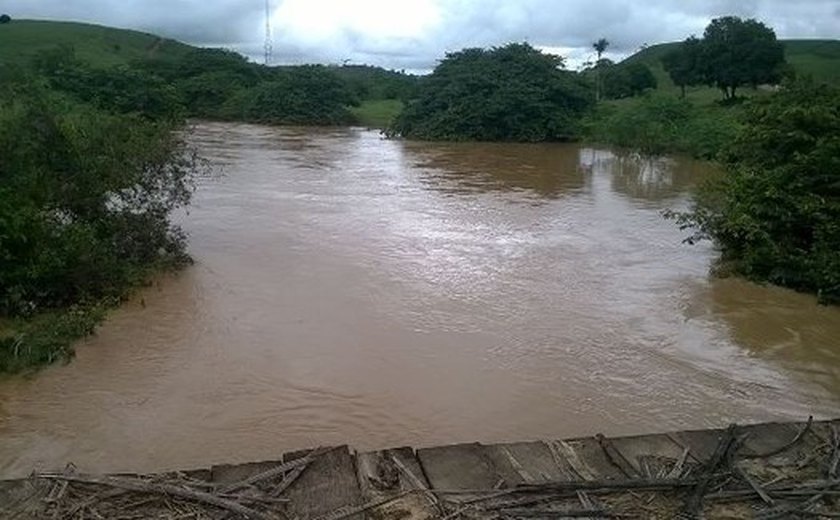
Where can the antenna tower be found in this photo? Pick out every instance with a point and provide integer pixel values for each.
(268, 44)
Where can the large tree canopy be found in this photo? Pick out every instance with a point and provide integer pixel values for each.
(733, 53)
(741, 52)
(510, 93)
(683, 64)
(304, 95)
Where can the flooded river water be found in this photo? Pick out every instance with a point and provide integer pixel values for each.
(349, 289)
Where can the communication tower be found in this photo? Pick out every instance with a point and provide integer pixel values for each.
(268, 43)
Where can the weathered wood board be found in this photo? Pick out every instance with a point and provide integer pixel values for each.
(781, 469)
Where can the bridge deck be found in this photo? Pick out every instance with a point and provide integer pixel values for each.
(771, 470)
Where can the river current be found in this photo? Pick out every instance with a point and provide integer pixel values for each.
(351, 289)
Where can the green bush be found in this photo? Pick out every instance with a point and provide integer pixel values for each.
(510, 93)
(776, 212)
(85, 200)
(306, 95)
(659, 124)
(47, 338)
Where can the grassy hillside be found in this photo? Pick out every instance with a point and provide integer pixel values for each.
(377, 113)
(817, 58)
(95, 44)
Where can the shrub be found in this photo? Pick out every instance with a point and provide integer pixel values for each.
(510, 93)
(776, 212)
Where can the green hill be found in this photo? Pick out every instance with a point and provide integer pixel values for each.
(817, 58)
(99, 46)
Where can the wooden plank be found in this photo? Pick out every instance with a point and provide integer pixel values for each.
(649, 453)
(701, 443)
(205, 475)
(22, 499)
(232, 473)
(590, 453)
(571, 465)
(327, 484)
(526, 462)
(764, 438)
(460, 466)
(821, 431)
(391, 470)
(388, 473)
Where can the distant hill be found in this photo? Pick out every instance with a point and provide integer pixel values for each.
(95, 44)
(817, 58)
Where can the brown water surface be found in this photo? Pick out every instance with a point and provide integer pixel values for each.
(349, 289)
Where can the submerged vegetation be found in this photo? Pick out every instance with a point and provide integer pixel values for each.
(657, 124)
(776, 212)
(88, 181)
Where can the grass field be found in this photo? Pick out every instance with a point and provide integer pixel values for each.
(94, 44)
(377, 113)
(817, 58)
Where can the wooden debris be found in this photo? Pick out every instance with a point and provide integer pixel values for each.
(781, 449)
(771, 471)
(695, 501)
(615, 457)
(168, 490)
(277, 470)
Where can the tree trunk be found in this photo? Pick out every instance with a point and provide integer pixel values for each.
(682, 91)
(598, 78)
(597, 86)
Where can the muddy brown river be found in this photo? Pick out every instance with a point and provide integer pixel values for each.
(349, 289)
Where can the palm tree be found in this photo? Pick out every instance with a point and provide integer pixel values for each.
(600, 47)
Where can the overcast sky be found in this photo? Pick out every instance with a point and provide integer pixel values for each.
(413, 34)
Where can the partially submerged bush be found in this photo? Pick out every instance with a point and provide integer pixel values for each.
(776, 212)
(85, 201)
(510, 93)
(659, 124)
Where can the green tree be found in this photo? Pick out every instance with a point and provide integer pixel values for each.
(683, 64)
(510, 93)
(4, 18)
(621, 81)
(738, 52)
(776, 212)
(641, 78)
(309, 94)
(368, 82)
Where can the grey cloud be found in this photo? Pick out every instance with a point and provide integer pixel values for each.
(570, 24)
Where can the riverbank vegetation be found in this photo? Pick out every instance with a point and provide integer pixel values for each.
(92, 164)
(776, 212)
(88, 181)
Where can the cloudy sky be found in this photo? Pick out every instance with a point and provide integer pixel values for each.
(413, 34)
